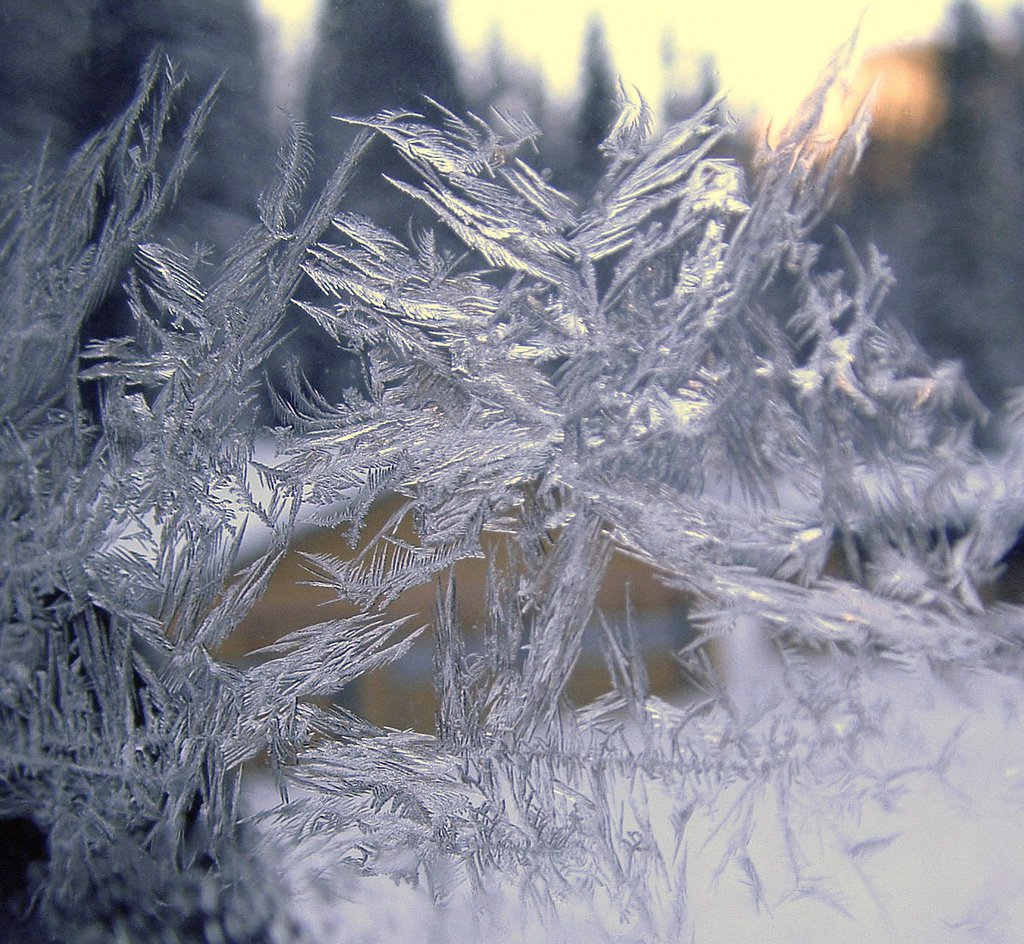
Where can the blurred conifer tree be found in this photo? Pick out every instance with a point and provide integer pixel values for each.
(371, 56)
(68, 69)
(597, 108)
(953, 228)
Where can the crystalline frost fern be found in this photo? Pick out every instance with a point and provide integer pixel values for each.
(554, 384)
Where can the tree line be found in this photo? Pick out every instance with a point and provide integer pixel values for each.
(951, 227)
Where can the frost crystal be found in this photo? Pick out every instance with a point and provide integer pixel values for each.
(545, 385)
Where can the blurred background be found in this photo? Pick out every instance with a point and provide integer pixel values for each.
(940, 189)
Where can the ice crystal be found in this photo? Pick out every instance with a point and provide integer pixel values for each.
(666, 371)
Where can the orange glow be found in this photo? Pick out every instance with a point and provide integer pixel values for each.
(909, 100)
(902, 87)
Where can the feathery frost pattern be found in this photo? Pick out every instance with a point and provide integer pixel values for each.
(667, 371)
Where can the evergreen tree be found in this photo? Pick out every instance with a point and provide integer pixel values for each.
(597, 108)
(952, 179)
(685, 93)
(371, 56)
(954, 231)
(510, 84)
(40, 73)
(72, 66)
(214, 41)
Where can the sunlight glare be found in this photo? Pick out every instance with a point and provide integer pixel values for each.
(288, 36)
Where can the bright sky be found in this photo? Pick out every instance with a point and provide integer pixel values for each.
(768, 52)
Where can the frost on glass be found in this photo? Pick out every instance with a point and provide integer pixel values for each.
(667, 371)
